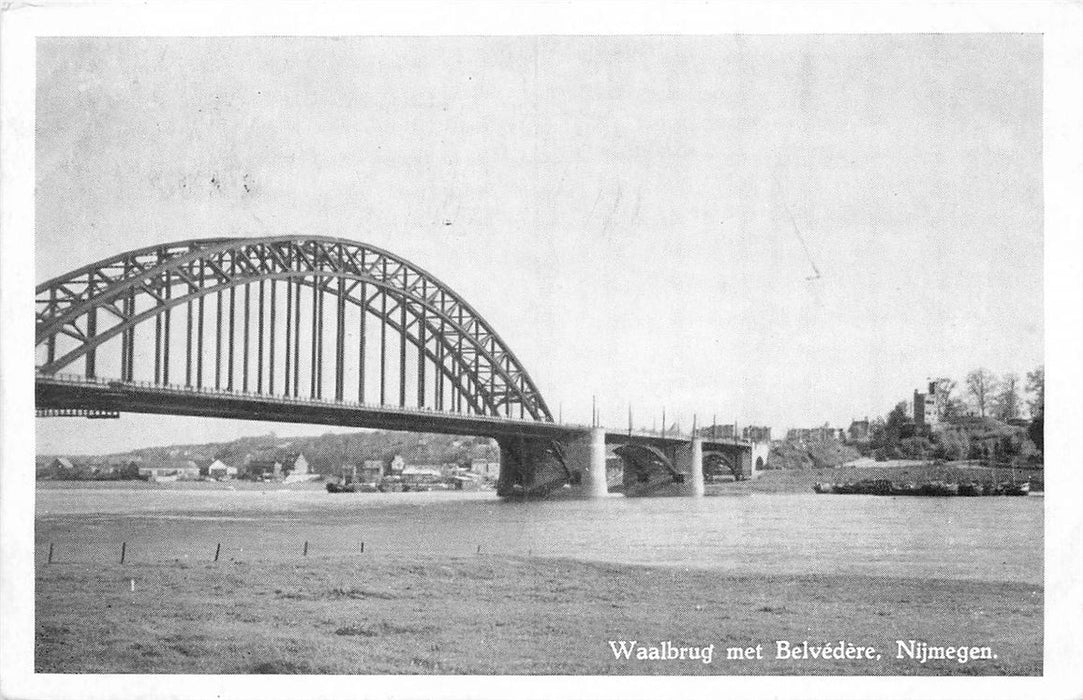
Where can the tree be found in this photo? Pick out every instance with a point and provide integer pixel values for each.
(980, 384)
(1036, 386)
(953, 445)
(1036, 432)
(916, 448)
(1006, 401)
(948, 406)
(887, 433)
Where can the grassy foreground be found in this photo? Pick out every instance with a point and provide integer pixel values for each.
(497, 615)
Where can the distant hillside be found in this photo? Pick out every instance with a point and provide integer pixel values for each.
(814, 455)
(325, 453)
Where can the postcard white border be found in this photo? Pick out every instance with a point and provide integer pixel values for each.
(1061, 25)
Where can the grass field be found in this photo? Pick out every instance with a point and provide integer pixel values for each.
(500, 615)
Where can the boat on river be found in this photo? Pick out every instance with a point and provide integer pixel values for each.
(939, 488)
(971, 488)
(905, 488)
(1014, 489)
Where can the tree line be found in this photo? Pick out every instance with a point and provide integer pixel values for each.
(973, 421)
(986, 395)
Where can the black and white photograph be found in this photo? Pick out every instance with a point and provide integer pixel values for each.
(387, 355)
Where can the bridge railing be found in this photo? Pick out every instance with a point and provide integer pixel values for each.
(298, 400)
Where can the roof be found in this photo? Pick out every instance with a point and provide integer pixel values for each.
(421, 471)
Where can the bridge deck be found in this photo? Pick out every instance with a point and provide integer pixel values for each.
(64, 392)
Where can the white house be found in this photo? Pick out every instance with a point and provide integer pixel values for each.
(220, 470)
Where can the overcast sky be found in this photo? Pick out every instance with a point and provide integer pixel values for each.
(622, 209)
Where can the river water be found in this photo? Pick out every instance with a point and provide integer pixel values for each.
(996, 539)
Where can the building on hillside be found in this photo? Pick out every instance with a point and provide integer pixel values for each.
(62, 465)
(756, 433)
(221, 471)
(823, 433)
(718, 432)
(397, 464)
(860, 430)
(269, 465)
(376, 465)
(924, 407)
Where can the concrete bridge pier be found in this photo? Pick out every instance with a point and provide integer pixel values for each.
(586, 456)
(690, 462)
(530, 468)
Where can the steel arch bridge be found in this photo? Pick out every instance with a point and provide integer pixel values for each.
(289, 316)
(319, 330)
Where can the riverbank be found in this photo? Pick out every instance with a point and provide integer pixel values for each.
(802, 480)
(141, 485)
(507, 615)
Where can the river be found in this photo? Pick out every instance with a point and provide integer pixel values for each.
(994, 539)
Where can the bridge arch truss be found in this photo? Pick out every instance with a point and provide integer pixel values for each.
(289, 316)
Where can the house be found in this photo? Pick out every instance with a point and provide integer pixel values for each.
(273, 464)
(397, 464)
(171, 470)
(294, 464)
(798, 435)
(295, 468)
(371, 471)
(465, 480)
(262, 466)
(823, 433)
(485, 468)
(61, 464)
(220, 470)
(422, 474)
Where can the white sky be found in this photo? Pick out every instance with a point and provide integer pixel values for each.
(618, 204)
